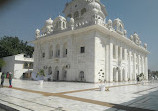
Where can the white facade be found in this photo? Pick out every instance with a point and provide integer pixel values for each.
(84, 47)
(17, 64)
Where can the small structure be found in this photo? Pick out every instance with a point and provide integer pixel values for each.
(20, 65)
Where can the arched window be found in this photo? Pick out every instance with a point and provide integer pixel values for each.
(31, 66)
(50, 70)
(50, 52)
(57, 50)
(81, 76)
(76, 15)
(65, 50)
(25, 65)
(64, 73)
(83, 11)
(64, 25)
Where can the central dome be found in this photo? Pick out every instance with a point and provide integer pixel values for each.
(93, 5)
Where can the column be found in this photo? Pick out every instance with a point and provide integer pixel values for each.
(139, 71)
(134, 67)
(125, 56)
(116, 52)
(130, 74)
(111, 62)
(143, 65)
(146, 68)
(107, 63)
(120, 53)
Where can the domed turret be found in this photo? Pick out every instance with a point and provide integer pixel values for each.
(60, 23)
(109, 25)
(72, 21)
(37, 32)
(49, 21)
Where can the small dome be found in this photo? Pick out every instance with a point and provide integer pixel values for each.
(37, 30)
(135, 35)
(72, 21)
(109, 21)
(117, 20)
(49, 21)
(93, 5)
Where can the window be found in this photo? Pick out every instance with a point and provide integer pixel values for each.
(31, 65)
(83, 11)
(57, 50)
(43, 55)
(64, 25)
(58, 53)
(26, 65)
(50, 52)
(66, 51)
(82, 50)
(76, 15)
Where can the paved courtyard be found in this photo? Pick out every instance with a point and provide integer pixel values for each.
(70, 96)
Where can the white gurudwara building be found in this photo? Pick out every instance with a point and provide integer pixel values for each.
(83, 46)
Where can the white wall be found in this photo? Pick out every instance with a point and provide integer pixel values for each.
(15, 64)
(9, 67)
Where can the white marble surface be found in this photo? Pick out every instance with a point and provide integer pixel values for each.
(124, 95)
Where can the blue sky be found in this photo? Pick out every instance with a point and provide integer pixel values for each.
(22, 17)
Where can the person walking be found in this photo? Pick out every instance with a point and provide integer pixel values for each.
(10, 79)
(2, 79)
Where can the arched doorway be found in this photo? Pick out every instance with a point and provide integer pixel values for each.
(64, 73)
(56, 74)
(81, 76)
(114, 74)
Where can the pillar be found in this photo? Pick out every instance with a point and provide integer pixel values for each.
(111, 62)
(146, 68)
(120, 53)
(125, 56)
(139, 70)
(116, 52)
(130, 71)
(134, 67)
(107, 64)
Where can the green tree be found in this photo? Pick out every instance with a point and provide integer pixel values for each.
(2, 63)
(12, 46)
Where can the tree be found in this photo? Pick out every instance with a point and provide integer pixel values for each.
(2, 63)
(12, 46)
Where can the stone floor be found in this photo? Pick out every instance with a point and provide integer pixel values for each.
(70, 96)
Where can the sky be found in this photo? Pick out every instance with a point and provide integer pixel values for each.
(22, 17)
